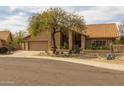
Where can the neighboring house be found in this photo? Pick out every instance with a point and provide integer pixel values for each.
(1, 42)
(5, 38)
(100, 34)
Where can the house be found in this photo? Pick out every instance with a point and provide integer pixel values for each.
(100, 34)
(43, 41)
(5, 38)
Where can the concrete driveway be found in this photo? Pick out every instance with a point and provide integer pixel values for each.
(23, 71)
(25, 53)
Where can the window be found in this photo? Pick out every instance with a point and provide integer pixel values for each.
(98, 42)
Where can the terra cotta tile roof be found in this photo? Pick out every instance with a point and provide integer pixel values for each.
(102, 31)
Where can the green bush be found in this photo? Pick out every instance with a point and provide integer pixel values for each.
(119, 41)
(65, 46)
(105, 47)
(94, 47)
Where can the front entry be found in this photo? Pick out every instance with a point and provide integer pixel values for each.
(76, 40)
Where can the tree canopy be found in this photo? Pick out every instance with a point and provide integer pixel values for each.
(54, 20)
(18, 38)
(121, 29)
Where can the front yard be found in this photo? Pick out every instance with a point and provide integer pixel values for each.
(117, 60)
(91, 57)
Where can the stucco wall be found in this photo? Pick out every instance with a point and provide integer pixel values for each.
(0, 43)
(43, 36)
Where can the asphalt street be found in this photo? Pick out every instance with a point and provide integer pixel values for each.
(40, 72)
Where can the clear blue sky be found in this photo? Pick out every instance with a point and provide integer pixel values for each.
(16, 18)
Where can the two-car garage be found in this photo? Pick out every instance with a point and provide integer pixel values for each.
(36, 45)
(42, 42)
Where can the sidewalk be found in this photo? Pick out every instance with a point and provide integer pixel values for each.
(74, 60)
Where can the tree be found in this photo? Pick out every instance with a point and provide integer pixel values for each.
(18, 38)
(54, 20)
(121, 31)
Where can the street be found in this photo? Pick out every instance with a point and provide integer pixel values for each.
(22, 71)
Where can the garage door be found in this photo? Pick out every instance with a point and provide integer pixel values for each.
(38, 46)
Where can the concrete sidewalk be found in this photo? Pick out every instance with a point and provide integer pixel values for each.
(73, 60)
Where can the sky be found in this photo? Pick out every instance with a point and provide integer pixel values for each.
(16, 18)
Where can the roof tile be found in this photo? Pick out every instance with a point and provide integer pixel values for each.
(102, 31)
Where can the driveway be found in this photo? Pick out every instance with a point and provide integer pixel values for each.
(28, 71)
(25, 53)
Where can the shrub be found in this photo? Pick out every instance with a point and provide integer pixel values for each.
(94, 47)
(65, 46)
(119, 41)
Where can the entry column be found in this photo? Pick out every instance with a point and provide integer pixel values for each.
(82, 42)
(70, 40)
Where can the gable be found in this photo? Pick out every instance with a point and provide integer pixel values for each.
(42, 36)
(6, 36)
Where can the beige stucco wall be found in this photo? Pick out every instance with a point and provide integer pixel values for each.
(26, 46)
(43, 36)
(0, 43)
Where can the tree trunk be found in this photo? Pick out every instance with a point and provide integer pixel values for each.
(54, 42)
